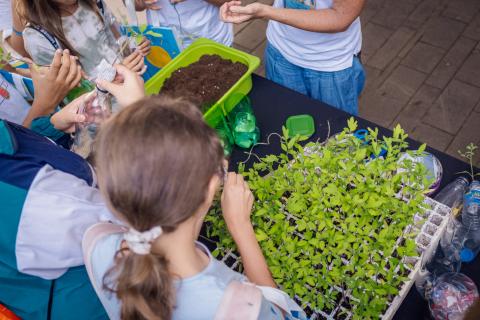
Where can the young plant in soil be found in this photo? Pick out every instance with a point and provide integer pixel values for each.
(329, 216)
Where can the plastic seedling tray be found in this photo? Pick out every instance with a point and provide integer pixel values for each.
(428, 225)
(192, 54)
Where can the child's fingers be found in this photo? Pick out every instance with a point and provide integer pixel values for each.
(56, 62)
(79, 76)
(72, 72)
(65, 68)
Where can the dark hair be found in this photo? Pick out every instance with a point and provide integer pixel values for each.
(155, 160)
(47, 14)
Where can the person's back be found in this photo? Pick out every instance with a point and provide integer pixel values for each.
(156, 269)
(47, 201)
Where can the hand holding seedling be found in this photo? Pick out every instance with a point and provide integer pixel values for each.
(65, 119)
(135, 62)
(237, 202)
(126, 81)
(53, 83)
(144, 46)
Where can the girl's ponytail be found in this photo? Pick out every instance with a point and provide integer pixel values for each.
(155, 160)
(144, 286)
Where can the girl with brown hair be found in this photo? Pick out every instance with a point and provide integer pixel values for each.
(84, 27)
(155, 268)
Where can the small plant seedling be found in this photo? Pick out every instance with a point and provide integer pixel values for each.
(331, 219)
(469, 154)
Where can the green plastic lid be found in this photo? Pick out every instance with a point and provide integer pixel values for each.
(301, 124)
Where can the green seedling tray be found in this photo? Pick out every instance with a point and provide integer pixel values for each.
(302, 125)
(192, 54)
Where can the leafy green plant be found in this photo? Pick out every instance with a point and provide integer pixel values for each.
(469, 154)
(331, 219)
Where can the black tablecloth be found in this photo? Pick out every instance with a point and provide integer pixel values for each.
(273, 104)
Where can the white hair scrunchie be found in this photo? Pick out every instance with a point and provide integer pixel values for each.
(141, 242)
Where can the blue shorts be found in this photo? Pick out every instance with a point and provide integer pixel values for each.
(339, 89)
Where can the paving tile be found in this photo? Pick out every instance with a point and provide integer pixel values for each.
(252, 35)
(240, 47)
(433, 137)
(374, 36)
(402, 83)
(473, 29)
(470, 71)
(421, 14)
(370, 9)
(239, 27)
(453, 106)
(463, 10)
(390, 49)
(442, 32)
(470, 133)
(449, 65)
(260, 50)
(393, 13)
(371, 77)
(423, 57)
(411, 115)
(379, 108)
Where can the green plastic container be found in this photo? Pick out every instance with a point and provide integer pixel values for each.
(192, 54)
(302, 125)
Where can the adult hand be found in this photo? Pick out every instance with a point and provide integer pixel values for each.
(65, 119)
(144, 47)
(237, 202)
(135, 62)
(129, 89)
(141, 5)
(234, 12)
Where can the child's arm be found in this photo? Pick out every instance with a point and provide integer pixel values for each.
(16, 40)
(335, 19)
(237, 202)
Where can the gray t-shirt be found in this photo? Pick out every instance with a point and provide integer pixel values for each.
(86, 32)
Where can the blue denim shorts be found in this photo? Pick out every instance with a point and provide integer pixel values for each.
(339, 89)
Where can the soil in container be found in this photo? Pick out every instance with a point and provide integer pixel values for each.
(204, 82)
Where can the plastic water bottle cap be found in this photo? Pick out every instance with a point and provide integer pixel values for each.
(466, 255)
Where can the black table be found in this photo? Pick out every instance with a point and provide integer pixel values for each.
(273, 104)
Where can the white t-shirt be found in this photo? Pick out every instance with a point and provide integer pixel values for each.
(197, 18)
(313, 50)
(5, 18)
(13, 107)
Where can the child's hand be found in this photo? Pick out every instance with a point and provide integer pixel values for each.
(141, 5)
(53, 83)
(135, 63)
(144, 47)
(65, 119)
(234, 12)
(128, 81)
(237, 202)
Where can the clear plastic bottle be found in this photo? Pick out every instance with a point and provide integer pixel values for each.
(461, 240)
(96, 107)
(452, 194)
(447, 257)
(471, 223)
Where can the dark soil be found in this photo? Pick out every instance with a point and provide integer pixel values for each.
(204, 82)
